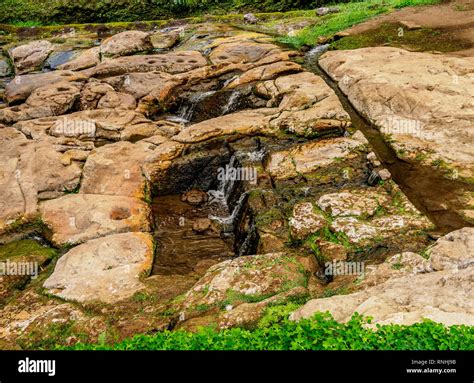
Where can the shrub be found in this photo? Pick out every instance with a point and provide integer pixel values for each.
(321, 332)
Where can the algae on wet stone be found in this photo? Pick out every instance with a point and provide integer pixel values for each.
(19, 262)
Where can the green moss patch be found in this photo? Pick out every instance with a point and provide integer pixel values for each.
(395, 35)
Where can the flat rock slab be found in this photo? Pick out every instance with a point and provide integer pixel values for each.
(173, 62)
(423, 101)
(77, 218)
(122, 168)
(105, 269)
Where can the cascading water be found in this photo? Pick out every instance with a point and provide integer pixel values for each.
(222, 195)
(317, 51)
(186, 112)
(231, 104)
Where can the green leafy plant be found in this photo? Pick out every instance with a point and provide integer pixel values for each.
(320, 332)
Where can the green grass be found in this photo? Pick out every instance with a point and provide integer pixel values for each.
(321, 332)
(350, 14)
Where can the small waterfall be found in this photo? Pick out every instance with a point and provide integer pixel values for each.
(186, 112)
(227, 82)
(317, 51)
(221, 197)
(231, 104)
(374, 178)
(249, 241)
(225, 187)
(228, 222)
(257, 155)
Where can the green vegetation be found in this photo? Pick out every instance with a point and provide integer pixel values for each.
(32, 12)
(395, 35)
(349, 15)
(29, 13)
(27, 249)
(321, 332)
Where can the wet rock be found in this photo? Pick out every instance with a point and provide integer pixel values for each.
(56, 59)
(21, 261)
(77, 218)
(29, 57)
(86, 59)
(125, 43)
(305, 221)
(201, 225)
(195, 197)
(106, 269)
(22, 86)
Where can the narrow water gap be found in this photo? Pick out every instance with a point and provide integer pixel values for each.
(425, 188)
(198, 222)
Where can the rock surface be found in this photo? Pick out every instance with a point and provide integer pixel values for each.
(119, 152)
(395, 90)
(78, 218)
(106, 269)
(125, 43)
(29, 57)
(408, 296)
